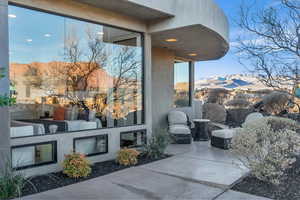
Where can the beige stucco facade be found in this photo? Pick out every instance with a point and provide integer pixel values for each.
(200, 27)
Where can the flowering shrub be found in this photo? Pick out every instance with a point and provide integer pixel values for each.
(267, 146)
(76, 165)
(127, 157)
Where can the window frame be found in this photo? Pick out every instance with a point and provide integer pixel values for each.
(93, 136)
(144, 131)
(143, 61)
(190, 93)
(54, 154)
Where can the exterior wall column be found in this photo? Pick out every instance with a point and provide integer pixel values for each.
(162, 86)
(148, 82)
(192, 77)
(4, 85)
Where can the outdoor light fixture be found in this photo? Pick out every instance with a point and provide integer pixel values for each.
(29, 40)
(192, 54)
(100, 33)
(12, 16)
(171, 40)
(47, 35)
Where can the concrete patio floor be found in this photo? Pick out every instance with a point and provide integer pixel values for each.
(196, 171)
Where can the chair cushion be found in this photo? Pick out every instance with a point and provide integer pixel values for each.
(223, 133)
(253, 116)
(177, 117)
(71, 113)
(92, 115)
(179, 129)
(59, 113)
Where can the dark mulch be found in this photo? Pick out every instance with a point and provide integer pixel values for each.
(51, 181)
(289, 189)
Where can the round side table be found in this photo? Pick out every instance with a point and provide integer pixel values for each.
(201, 126)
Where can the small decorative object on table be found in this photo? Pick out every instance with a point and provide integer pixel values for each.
(47, 114)
(53, 129)
(201, 129)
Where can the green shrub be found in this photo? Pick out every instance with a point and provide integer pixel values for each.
(268, 147)
(11, 183)
(127, 157)
(157, 144)
(76, 165)
(5, 100)
(238, 103)
(2, 72)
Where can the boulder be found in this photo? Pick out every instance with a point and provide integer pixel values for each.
(215, 112)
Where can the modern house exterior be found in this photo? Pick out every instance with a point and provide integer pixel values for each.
(94, 76)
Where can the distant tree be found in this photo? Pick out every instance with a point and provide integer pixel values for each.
(270, 41)
(33, 76)
(217, 95)
(82, 63)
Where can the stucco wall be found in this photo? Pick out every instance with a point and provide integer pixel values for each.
(4, 85)
(162, 85)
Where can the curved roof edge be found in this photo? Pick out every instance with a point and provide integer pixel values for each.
(207, 22)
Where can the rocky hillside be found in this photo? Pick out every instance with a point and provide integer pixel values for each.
(235, 81)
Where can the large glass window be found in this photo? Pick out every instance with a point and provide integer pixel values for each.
(33, 155)
(71, 75)
(182, 84)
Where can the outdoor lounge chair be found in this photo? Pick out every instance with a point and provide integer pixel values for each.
(179, 127)
(222, 138)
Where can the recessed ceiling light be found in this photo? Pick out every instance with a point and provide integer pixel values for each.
(12, 16)
(100, 33)
(192, 54)
(47, 35)
(29, 40)
(171, 40)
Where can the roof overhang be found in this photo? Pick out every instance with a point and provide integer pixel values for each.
(200, 28)
(141, 9)
(195, 42)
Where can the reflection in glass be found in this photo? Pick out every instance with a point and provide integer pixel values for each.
(33, 155)
(91, 145)
(72, 75)
(133, 139)
(182, 84)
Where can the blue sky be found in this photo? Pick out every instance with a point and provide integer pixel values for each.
(228, 64)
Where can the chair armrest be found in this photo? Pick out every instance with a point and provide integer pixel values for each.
(219, 125)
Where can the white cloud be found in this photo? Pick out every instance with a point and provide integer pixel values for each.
(12, 16)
